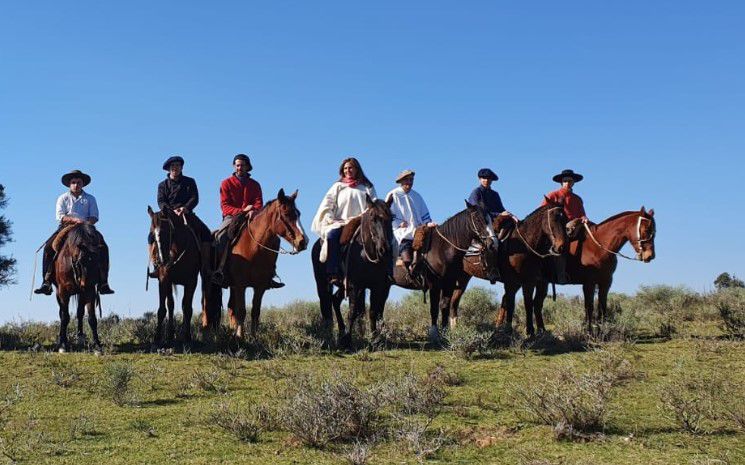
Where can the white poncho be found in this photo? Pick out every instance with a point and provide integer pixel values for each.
(409, 208)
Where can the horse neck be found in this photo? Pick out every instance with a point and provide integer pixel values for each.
(455, 234)
(615, 233)
(261, 229)
(531, 229)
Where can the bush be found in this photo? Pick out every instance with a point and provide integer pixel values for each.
(413, 395)
(246, 423)
(478, 309)
(318, 412)
(118, 383)
(574, 403)
(731, 306)
(468, 342)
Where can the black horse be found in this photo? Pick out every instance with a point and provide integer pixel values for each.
(366, 264)
(443, 259)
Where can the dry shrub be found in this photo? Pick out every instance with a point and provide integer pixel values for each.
(247, 423)
(419, 437)
(208, 381)
(478, 309)
(688, 398)
(118, 383)
(406, 320)
(319, 411)
(468, 342)
(575, 403)
(730, 304)
(415, 395)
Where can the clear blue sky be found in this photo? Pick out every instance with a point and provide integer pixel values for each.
(644, 98)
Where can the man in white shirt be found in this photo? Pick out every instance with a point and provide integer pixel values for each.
(409, 212)
(74, 207)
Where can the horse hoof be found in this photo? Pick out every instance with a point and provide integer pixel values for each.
(433, 334)
(97, 352)
(453, 321)
(62, 350)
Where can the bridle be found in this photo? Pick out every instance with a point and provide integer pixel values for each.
(170, 264)
(638, 249)
(482, 238)
(361, 232)
(551, 252)
(280, 250)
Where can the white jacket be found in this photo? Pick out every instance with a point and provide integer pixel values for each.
(339, 205)
(409, 208)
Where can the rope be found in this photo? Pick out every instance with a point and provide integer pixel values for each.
(437, 229)
(587, 228)
(549, 254)
(277, 251)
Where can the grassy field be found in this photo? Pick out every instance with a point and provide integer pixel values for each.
(654, 389)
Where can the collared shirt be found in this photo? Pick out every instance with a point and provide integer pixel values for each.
(236, 194)
(175, 193)
(407, 207)
(82, 207)
(573, 205)
(489, 198)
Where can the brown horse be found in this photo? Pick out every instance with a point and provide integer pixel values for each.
(253, 262)
(78, 272)
(177, 251)
(592, 258)
(542, 233)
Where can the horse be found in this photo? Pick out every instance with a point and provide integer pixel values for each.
(366, 265)
(442, 261)
(253, 262)
(177, 250)
(542, 233)
(77, 272)
(592, 258)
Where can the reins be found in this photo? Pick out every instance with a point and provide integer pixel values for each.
(550, 253)
(639, 240)
(278, 251)
(473, 230)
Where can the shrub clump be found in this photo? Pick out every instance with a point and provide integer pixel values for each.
(731, 306)
(118, 383)
(246, 423)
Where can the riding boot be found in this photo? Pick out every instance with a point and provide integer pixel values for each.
(104, 288)
(274, 284)
(220, 277)
(205, 251)
(47, 265)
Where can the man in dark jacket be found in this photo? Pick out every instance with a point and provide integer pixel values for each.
(179, 194)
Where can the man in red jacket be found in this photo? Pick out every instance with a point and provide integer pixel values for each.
(239, 196)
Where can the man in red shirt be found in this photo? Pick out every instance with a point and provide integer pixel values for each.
(574, 209)
(240, 195)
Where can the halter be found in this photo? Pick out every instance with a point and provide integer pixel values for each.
(639, 240)
(279, 250)
(481, 238)
(551, 252)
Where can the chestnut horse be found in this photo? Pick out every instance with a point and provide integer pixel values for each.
(592, 258)
(77, 272)
(443, 260)
(366, 265)
(542, 233)
(253, 262)
(177, 252)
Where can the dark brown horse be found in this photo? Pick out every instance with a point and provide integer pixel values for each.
(443, 260)
(253, 262)
(542, 233)
(177, 251)
(366, 265)
(77, 272)
(592, 258)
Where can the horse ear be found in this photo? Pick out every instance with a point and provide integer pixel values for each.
(469, 204)
(294, 195)
(150, 211)
(281, 195)
(369, 201)
(389, 201)
(642, 210)
(651, 212)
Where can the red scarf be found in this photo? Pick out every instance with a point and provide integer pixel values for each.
(350, 182)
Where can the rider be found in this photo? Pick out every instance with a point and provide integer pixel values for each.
(179, 194)
(343, 201)
(409, 212)
(74, 207)
(239, 194)
(489, 199)
(574, 210)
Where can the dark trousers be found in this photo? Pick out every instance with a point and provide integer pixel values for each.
(406, 250)
(333, 251)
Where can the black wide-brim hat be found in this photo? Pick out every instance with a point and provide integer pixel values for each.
(568, 174)
(173, 159)
(486, 173)
(76, 174)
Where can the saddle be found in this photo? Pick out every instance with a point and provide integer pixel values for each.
(59, 239)
(349, 229)
(422, 238)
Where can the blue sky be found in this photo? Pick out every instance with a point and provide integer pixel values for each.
(644, 98)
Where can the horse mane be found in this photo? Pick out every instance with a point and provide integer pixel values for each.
(617, 216)
(540, 209)
(83, 236)
(456, 224)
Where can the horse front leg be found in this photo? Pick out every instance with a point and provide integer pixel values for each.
(460, 289)
(164, 288)
(256, 310)
(187, 311)
(507, 308)
(528, 302)
(378, 297)
(445, 299)
(64, 317)
(589, 291)
(82, 300)
(541, 291)
(435, 294)
(237, 309)
(171, 323)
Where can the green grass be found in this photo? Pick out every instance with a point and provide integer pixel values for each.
(172, 424)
